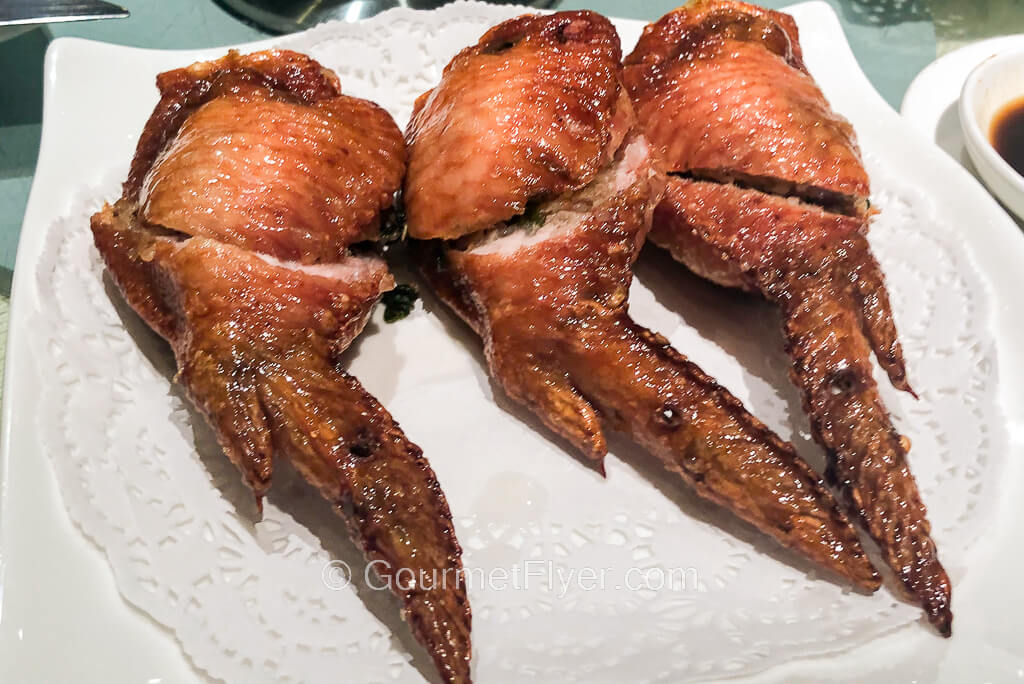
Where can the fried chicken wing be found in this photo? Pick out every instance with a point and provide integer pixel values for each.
(254, 164)
(782, 211)
(722, 91)
(521, 76)
(252, 179)
(547, 292)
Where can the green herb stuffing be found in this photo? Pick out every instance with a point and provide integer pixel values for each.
(532, 217)
(398, 302)
(393, 227)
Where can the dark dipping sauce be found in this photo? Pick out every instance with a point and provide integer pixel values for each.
(1007, 134)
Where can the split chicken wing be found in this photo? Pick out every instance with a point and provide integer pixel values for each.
(768, 193)
(251, 181)
(530, 238)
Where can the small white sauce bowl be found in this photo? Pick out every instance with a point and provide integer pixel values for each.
(992, 85)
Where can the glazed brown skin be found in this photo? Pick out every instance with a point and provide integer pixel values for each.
(216, 304)
(308, 172)
(258, 339)
(558, 336)
(811, 260)
(743, 238)
(707, 75)
(490, 117)
(819, 268)
(547, 292)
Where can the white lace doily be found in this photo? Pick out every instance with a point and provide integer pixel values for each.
(248, 601)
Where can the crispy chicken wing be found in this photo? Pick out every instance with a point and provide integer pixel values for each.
(251, 180)
(782, 211)
(722, 91)
(253, 163)
(547, 291)
(508, 88)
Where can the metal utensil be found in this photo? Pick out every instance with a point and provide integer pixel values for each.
(27, 12)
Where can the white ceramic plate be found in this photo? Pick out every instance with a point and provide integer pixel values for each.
(91, 427)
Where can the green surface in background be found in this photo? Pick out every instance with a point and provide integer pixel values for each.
(171, 24)
(893, 40)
